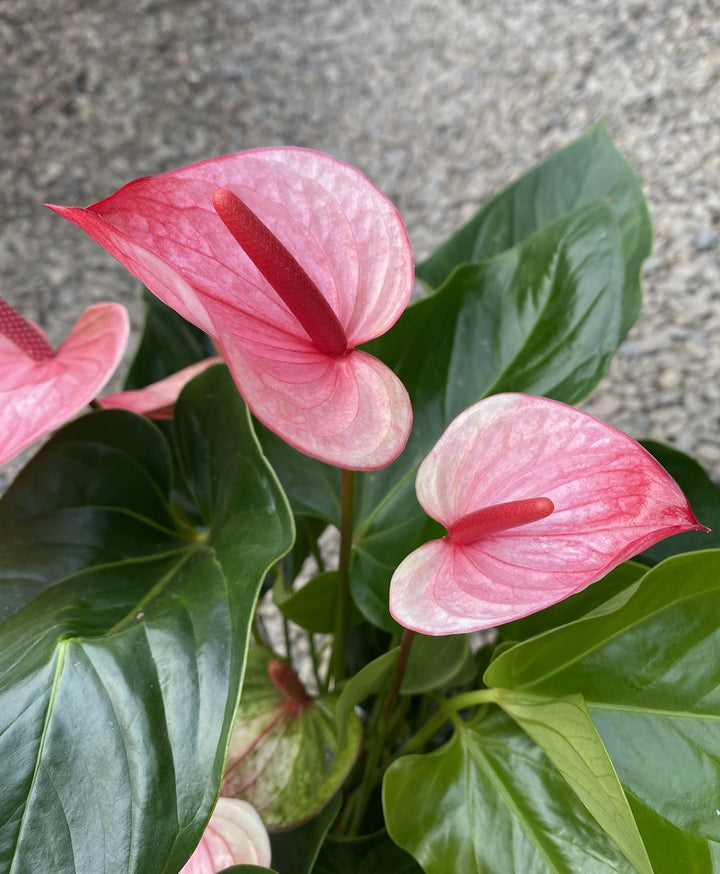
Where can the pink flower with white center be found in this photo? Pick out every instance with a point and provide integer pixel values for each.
(290, 259)
(235, 835)
(539, 500)
(41, 388)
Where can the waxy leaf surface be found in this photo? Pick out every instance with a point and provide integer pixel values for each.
(490, 802)
(588, 169)
(119, 678)
(565, 732)
(649, 674)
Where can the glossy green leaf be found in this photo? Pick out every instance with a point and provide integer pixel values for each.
(285, 756)
(543, 317)
(168, 344)
(592, 598)
(565, 732)
(312, 606)
(588, 169)
(672, 850)
(95, 494)
(369, 854)
(371, 679)
(650, 675)
(490, 802)
(704, 498)
(119, 679)
(435, 662)
(296, 850)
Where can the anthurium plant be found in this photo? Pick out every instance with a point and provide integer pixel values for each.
(343, 580)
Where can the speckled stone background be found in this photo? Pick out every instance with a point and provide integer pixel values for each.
(441, 104)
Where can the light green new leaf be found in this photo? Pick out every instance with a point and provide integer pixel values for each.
(490, 802)
(564, 730)
(650, 674)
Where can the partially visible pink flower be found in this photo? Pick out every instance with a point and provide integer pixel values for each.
(235, 835)
(157, 400)
(539, 500)
(290, 259)
(41, 388)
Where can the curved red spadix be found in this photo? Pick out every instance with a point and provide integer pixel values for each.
(41, 389)
(346, 409)
(610, 500)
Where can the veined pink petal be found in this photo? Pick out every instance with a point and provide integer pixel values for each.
(157, 399)
(611, 500)
(351, 411)
(341, 230)
(235, 835)
(38, 396)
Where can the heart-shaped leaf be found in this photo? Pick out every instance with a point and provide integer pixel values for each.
(490, 802)
(588, 169)
(120, 677)
(650, 676)
(564, 730)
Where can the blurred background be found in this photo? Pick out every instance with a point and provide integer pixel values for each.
(440, 104)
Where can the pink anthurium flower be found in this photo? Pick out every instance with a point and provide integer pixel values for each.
(157, 400)
(539, 500)
(235, 835)
(290, 259)
(41, 388)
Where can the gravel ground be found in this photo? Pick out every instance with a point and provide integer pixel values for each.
(440, 104)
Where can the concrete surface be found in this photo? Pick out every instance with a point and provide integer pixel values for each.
(441, 104)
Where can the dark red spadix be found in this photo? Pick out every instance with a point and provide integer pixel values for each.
(23, 333)
(293, 285)
(284, 678)
(499, 517)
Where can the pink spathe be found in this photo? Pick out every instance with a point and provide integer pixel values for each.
(348, 409)
(235, 835)
(157, 400)
(40, 389)
(609, 500)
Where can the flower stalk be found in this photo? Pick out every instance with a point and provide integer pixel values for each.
(342, 602)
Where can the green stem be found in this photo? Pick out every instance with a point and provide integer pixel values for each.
(447, 712)
(315, 662)
(342, 602)
(400, 667)
(378, 732)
